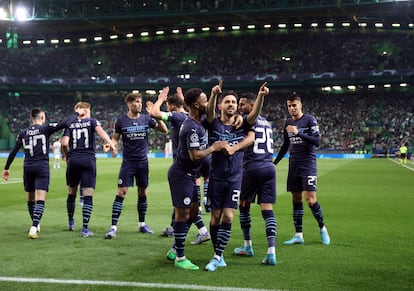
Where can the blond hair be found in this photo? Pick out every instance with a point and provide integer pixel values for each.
(82, 104)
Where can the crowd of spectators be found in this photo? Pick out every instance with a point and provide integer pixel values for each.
(224, 54)
(348, 122)
(374, 122)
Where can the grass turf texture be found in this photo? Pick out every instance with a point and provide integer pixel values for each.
(367, 206)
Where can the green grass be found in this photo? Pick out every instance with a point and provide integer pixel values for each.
(367, 206)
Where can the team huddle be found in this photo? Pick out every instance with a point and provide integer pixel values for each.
(235, 142)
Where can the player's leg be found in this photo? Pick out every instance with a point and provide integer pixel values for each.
(117, 207)
(203, 234)
(88, 183)
(142, 180)
(318, 215)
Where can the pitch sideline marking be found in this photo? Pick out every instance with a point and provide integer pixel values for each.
(128, 284)
(404, 165)
(12, 181)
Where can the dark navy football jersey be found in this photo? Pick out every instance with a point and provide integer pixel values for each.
(135, 132)
(81, 135)
(223, 166)
(193, 136)
(176, 119)
(35, 141)
(302, 147)
(261, 151)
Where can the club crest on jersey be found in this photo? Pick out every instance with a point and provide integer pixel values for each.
(187, 201)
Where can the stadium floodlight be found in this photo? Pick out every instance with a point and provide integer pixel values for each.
(97, 38)
(282, 25)
(221, 28)
(1, 41)
(387, 85)
(135, 91)
(113, 36)
(251, 26)
(396, 25)
(21, 13)
(297, 25)
(336, 88)
(346, 24)
(329, 24)
(3, 13)
(267, 26)
(27, 42)
(54, 41)
(379, 25)
(362, 24)
(159, 32)
(190, 29)
(314, 24)
(205, 29)
(67, 40)
(326, 89)
(143, 34)
(235, 27)
(403, 85)
(175, 31)
(83, 39)
(411, 25)
(151, 92)
(40, 41)
(131, 35)
(371, 86)
(286, 59)
(351, 87)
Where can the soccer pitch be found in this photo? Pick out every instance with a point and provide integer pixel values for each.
(367, 206)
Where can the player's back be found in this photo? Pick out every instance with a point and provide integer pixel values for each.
(260, 153)
(81, 135)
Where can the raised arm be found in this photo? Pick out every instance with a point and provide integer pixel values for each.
(161, 126)
(155, 111)
(212, 102)
(258, 104)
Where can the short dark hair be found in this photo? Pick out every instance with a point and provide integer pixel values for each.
(175, 100)
(191, 95)
(249, 96)
(131, 97)
(35, 113)
(293, 97)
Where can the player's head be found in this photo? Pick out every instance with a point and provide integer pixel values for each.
(196, 99)
(294, 105)
(37, 116)
(246, 102)
(134, 102)
(174, 102)
(228, 103)
(84, 109)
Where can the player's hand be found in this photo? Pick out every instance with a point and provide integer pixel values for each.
(219, 145)
(264, 90)
(292, 129)
(6, 175)
(164, 94)
(106, 147)
(229, 150)
(148, 106)
(180, 93)
(238, 121)
(217, 89)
